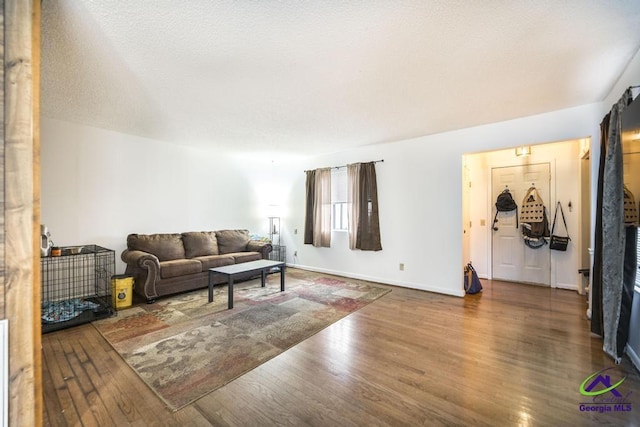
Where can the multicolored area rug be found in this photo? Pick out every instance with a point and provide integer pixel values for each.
(184, 347)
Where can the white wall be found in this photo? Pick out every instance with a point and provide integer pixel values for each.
(565, 186)
(98, 186)
(420, 196)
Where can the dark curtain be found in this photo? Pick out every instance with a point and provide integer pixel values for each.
(596, 281)
(309, 207)
(367, 237)
(317, 221)
(610, 252)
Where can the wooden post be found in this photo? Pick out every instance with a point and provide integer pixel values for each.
(35, 226)
(3, 310)
(20, 287)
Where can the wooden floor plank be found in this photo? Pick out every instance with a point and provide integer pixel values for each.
(53, 413)
(83, 406)
(85, 382)
(515, 354)
(148, 410)
(115, 397)
(57, 374)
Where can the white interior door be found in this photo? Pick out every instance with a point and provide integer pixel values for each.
(512, 260)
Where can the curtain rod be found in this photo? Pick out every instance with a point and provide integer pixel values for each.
(344, 166)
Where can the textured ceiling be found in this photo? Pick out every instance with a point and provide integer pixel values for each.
(321, 76)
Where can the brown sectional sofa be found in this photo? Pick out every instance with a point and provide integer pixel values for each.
(168, 263)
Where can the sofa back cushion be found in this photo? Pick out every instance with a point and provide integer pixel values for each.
(165, 246)
(200, 243)
(232, 240)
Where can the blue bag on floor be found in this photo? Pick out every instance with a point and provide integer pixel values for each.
(472, 283)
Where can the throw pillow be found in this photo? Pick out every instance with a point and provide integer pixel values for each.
(165, 246)
(230, 241)
(200, 243)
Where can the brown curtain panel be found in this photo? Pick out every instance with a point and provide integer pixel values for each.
(317, 224)
(322, 213)
(596, 281)
(309, 207)
(353, 206)
(364, 230)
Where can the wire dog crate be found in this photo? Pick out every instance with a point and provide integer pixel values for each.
(76, 286)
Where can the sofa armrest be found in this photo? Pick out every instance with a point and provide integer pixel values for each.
(140, 259)
(259, 246)
(145, 268)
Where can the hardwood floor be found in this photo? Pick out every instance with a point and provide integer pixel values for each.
(513, 355)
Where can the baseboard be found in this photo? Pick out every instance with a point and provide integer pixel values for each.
(410, 285)
(571, 287)
(633, 356)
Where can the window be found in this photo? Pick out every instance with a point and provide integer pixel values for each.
(339, 215)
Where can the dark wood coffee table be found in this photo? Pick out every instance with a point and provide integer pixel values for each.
(244, 269)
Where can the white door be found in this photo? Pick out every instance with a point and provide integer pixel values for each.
(512, 260)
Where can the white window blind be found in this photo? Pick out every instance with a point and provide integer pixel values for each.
(339, 186)
(339, 199)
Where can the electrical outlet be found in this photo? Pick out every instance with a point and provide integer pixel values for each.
(402, 266)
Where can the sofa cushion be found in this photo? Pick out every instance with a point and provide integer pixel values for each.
(200, 243)
(232, 240)
(164, 246)
(246, 256)
(179, 267)
(213, 261)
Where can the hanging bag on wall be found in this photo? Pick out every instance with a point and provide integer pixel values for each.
(559, 243)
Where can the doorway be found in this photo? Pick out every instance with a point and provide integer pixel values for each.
(563, 160)
(512, 260)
